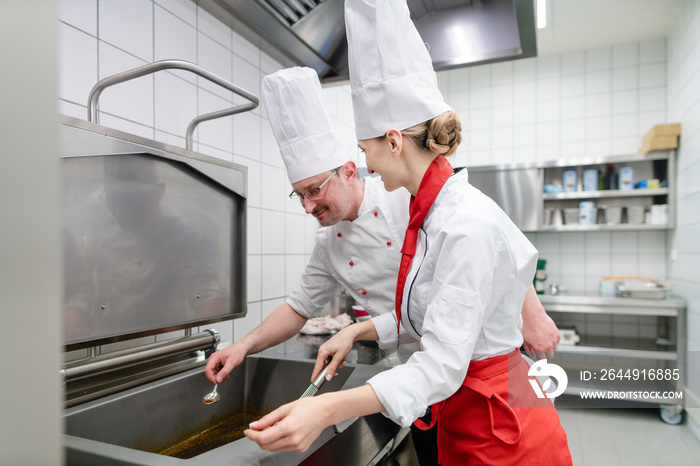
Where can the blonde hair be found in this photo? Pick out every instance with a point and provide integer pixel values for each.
(441, 135)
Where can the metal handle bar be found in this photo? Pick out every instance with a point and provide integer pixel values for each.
(179, 65)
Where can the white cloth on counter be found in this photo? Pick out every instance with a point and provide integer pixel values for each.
(462, 300)
(308, 144)
(326, 325)
(364, 242)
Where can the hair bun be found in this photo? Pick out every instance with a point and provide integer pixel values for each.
(444, 134)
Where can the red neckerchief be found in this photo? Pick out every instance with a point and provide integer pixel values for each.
(434, 179)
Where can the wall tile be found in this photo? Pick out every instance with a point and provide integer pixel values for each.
(625, 264)
(524, 92)
(625, 125)
(502, 94)
(245, 49)
(81, 14)
(624, 78)
(502, 73)
(77, 65)
(294, 225)
(294, 268)
(254, 230)
(274, 188)
(213, 28)
(573, 62)
(217, 133)
(625, 55)
(479, 76)
(573, 85)
(215, 58)
(548, 88)
(242, 327)
(573, 130)
(525, 69)
(246, 76)
(254, 283)
(652, 99)
(175, 103)
(246, 135)
(186, 10)
(273, 276)
(113, 15)
(272, 232)
(459, 79)
(598, 81)
(130, 100)
(652, 51)
(598, 59)
(652, 75)
(625, 101)
(174, 39)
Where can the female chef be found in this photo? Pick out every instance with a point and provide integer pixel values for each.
(463, 277)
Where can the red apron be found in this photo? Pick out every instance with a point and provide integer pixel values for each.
(495, 418)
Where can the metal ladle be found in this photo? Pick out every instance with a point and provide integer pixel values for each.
(212, 397)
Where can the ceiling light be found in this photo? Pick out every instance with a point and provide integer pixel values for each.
(541, 14)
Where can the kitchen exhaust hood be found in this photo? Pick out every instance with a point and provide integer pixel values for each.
(312, 32)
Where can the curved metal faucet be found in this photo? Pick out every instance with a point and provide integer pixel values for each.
(179, 65)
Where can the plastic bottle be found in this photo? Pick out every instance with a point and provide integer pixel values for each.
(611, 177)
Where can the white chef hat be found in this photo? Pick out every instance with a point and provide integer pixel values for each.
(298, 117)
(391, 74)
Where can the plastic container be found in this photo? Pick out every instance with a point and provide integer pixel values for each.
(613, 214)
(626, 178)
(590, 180)
(586, 213)
(659, 214)
(635, 214)
(570, 181)
(570, 216)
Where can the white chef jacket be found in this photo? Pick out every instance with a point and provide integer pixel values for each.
(462, 300)
(362, 256)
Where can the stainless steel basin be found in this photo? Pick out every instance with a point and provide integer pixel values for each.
(132, 426)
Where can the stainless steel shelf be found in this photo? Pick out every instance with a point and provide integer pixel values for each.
(604, 194)
(621, 347)
(612, 305)
(617, 227)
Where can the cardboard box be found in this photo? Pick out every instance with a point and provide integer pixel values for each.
(670, 129)
(661, 137)
(659, 143)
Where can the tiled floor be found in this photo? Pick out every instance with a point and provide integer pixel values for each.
(622, 437)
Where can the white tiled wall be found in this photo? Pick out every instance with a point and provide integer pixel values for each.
(684, 106)
(579, 104)
(97, 39)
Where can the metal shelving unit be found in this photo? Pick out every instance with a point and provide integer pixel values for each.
(646, 166)
(601, 351)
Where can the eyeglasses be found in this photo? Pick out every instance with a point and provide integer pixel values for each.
(315, 193)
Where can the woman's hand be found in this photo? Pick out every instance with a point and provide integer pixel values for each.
(293, 426)
(340, 345)
(296, 425)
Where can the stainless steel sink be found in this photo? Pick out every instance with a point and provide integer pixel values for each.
(132, 426)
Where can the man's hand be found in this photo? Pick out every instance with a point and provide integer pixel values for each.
(540, 333)
(221, 363)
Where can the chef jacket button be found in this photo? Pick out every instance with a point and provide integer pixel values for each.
(339, 235)
(364, 291)
(352, 263)
(388, 243)
(376, 213)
